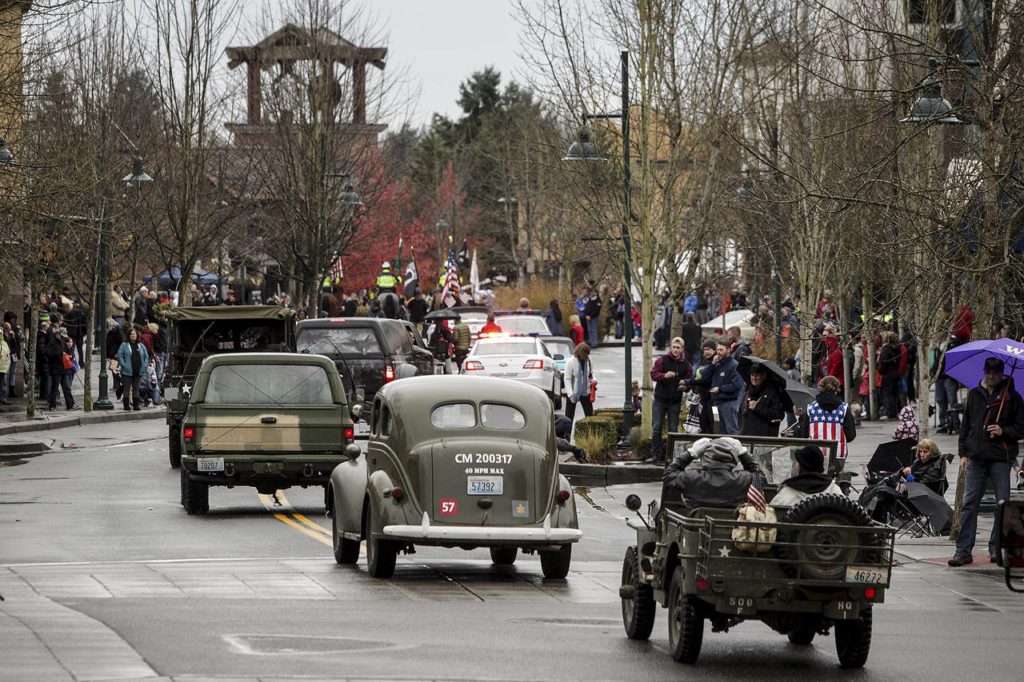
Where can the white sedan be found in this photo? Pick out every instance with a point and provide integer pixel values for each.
(520, 358)
(733, 318)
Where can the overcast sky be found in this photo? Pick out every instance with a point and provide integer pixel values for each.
(442, 42)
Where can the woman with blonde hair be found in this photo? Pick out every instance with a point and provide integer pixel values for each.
(927, 466)
(575, 330)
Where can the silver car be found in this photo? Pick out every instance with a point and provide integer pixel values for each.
(520, 358)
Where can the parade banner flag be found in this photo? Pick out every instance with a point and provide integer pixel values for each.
(336, 271)
(474, 275)
(412, 277)
(463, 259)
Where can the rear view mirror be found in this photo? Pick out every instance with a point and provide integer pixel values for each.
(633, 502)
(1010, 542)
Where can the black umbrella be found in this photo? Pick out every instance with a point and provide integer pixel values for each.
(801, 395)
(893, 455)
(932, 505)
(446, 314)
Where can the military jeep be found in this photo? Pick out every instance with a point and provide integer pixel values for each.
(821, 566)
(195, 334)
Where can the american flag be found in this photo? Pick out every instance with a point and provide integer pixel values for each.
(825, 425)
(451, 276)
(756, 498)
(336, 272)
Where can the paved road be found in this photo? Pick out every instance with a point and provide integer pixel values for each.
(105, 577)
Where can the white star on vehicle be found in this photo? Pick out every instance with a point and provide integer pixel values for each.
(724, 552)
(186, 389)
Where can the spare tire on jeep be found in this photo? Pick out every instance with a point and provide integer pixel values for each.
(825, 544)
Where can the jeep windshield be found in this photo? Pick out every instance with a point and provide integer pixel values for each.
(346, 341)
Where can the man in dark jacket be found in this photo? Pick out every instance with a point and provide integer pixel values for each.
(993, 423)
(691, 339)
(592, 312)
(669, 373)
(889, 368)
(716, 482)
(75, 326)
(726, 389)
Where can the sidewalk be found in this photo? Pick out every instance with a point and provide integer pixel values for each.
(13, 419)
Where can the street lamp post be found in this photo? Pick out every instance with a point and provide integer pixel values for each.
(137, 175)
(585, 150)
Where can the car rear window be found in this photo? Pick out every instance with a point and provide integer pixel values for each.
(275, 384)
(502, 417)
(453, 416)
(554, 347)
(343, 340)
(525, 347)
(526, 324)
(221, 336)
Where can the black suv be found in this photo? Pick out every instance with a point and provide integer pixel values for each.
(370, 350)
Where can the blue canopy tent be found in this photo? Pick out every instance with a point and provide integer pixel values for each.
(165, 278)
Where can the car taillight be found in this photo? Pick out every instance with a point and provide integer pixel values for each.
(470, 365)
(389, 373)
(869, 593)
(396, 494)
(563, 496)
(702, 585)
(534, 364)
(189, 434)
(350, 434)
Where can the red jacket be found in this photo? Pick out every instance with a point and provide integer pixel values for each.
(576, 334)
(832, 360)
(963, 323)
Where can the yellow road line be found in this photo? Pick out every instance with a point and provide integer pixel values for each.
(304, 525)
(316, 536)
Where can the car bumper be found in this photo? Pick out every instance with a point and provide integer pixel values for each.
(542, 380)
(526, 535)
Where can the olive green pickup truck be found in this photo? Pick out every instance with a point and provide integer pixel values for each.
(264, 420)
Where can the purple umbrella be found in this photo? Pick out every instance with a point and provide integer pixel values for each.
(966, 363)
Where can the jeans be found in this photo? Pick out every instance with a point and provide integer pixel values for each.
(946, 397)
(130, 397)
(693, 357)
(979, 473)
(592, 332)
(58, 383)
(659, 408)
(161, 364)
(728, 415)
(12, 377)
(3, 386)
(619, 324)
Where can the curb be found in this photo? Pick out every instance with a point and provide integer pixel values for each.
(33, 448)
(80, 420)
(600, 475)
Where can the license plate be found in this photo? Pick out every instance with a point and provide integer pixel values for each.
(361, 428)
(484, 485)
(867, 574)
(210, 464)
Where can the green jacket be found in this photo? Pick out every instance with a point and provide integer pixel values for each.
(462, 336)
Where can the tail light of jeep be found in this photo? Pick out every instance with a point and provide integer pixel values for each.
(350, 434)
(389, 373)
(189, 434)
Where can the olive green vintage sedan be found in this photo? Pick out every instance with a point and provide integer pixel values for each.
(264, 420)
(455, 462)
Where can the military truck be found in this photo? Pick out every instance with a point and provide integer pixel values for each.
(195, 334)
(821, 566)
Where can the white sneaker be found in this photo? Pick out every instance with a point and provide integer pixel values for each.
(883, 418)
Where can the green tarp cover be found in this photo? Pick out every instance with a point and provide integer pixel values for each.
(231, 312)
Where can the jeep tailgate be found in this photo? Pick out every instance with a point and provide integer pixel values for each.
(246, 429)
